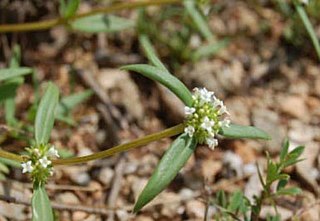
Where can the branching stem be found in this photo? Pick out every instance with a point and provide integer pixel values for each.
(10, 156)
(42, 25)
(123, 147)
(109, 152)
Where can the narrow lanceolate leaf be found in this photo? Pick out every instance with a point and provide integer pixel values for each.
(170, 164)
(102, 23)
(69, 8)
(284, 150)
(8, 90)
(68, 103)
(8, 73)
(289, 191)
(310, 29)
(165, 78)
(150, 52)
(239, 131)
(236, 201)
(198, 19)
(9, 104)
(41, 207)
(45, 114)
(209, 49)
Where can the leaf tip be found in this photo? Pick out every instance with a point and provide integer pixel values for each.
(138, 205)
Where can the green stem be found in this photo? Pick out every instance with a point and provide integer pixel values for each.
(42, 25)
(11, 156)
(123, 147)
(306, 22)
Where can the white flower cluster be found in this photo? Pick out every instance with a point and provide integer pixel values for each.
(205, 117)
(39, 163)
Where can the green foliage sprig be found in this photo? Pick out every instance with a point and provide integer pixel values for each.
(239, 207)
(306, 22)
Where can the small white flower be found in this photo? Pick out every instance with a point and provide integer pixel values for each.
(189, 110)
(212, 142)
(223, 110)
(217, 102)
(27, 167)
(224, 123)
(53, 152)
(189, 130)
(44, 162)
(205, 95)
(207, 124)
(196, 93)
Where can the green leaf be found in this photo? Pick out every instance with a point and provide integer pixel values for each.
(65, 153)
(8, 73)
(276, 217)
(11, 163)
(289, 191)
(62, 7)
(102, 23)
(236, 201)
(8, 90)
(169, 166)
(282, 184)
(4, 168)
(239, 131)
(221, 198)
(198, 19)
(307, 24)
(15, 82)
(41, 207)
(68, 103)
(15, 57)
(67, 120)
(68, 9)
(272, 172)
(165, 78)
(150, 52)
(292, 157)
(10, 109)
(9, 103)
(296, 152)
(284, 150)
(210, 49)
(45, 114)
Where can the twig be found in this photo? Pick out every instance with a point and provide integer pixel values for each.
(42, 25)
(101, 210)
(11, 156)
(106, 153)
(122, 147)
(51, 186)
(116, 186)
